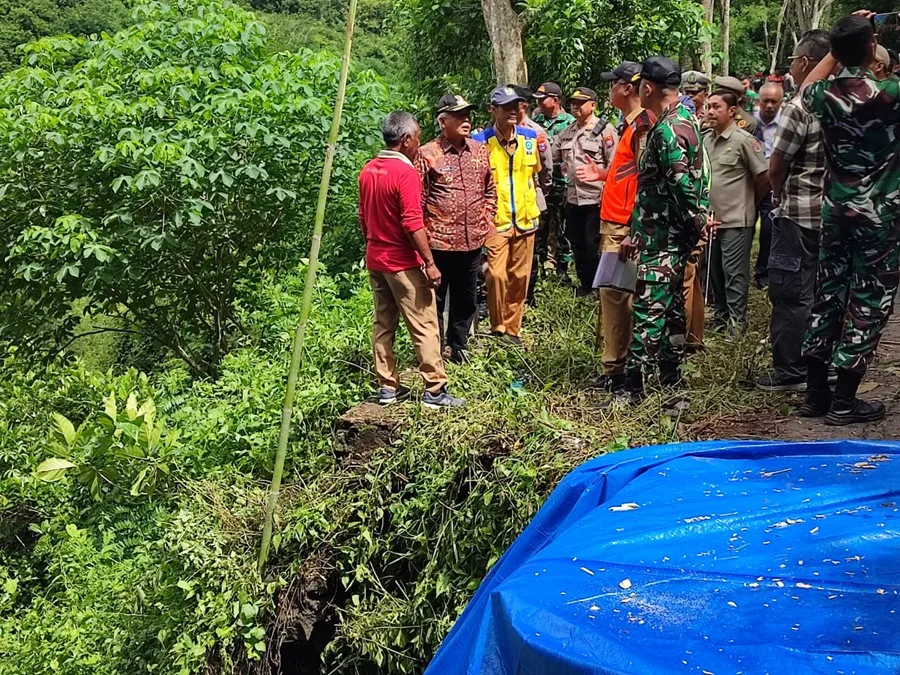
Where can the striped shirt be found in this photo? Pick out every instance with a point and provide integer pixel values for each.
(798, 142)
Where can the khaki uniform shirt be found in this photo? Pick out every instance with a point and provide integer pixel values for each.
(736, 159)
(570, 149)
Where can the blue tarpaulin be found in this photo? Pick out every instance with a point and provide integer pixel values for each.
(708, 558)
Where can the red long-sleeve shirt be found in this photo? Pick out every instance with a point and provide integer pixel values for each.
(390, 210)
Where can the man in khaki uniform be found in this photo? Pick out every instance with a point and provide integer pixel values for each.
(695, 86)
(740, 179)
(742, 119)
(588, 137)
(695, 91)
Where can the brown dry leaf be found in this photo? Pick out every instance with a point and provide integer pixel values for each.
(867, 387)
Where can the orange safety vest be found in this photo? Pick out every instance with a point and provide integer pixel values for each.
(620, 190)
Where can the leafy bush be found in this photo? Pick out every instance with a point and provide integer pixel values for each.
(167, 164)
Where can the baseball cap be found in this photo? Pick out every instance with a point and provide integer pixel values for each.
(548, 89)
(504, 95)
(453, 103)
(627, 71)
(661, 70)
(729, 83)
(583, 94)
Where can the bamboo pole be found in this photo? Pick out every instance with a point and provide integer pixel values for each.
(308, 289)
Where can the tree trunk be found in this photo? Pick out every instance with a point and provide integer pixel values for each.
(778, 31)
(504, 27)
(708, 6)
(726, 34)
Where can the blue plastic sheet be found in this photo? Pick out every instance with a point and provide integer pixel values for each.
(707, 558)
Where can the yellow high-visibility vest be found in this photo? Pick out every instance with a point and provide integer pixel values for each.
(514, 176)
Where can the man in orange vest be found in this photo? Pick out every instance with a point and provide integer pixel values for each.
(616, 208)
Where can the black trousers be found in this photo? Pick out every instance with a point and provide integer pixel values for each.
(459, 281)
(583, 232)
(761, 271)
(792, 282)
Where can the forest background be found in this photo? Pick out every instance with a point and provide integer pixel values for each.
(159, 163)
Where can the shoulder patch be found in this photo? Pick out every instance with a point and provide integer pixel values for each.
(609, 140)
(756, 146)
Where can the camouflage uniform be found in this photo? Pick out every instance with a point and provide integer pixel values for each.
(551, 245)
(670, 213)
(859, 256)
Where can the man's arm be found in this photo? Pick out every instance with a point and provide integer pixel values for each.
(755, 161)
(360, 213)
(789, 138)
(688, 196)
(424, 176)
(778, 172)
(545, 155)
(410, 192)
(823, 70)
(490, 193)
(761, 187)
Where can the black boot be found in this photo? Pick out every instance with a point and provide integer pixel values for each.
(610, 383)
(670, 375)
(818, 394)
(628, 390)
(846, 408)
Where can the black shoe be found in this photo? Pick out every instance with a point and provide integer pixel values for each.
(460, 356)
(610, 383)
(776, 382)
(583, 292)
(514, 340)
(856, 412)
(816, 404)
(694, 348)
(670, 376)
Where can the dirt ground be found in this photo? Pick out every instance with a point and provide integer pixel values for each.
(882, 382)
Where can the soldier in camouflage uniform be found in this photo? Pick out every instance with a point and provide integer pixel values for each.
(670, 216)
(551, 246)
(859, 257)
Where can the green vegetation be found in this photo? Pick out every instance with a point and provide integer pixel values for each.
(153, 167)
(157, 188)
(22, 21)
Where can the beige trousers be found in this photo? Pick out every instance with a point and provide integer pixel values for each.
(614, 323)
(406, 293)
(693, 305)
(509, 258)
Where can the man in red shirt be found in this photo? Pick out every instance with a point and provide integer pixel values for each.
(401, 268)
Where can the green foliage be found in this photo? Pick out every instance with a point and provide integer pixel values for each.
(378, 40)
(397, 536)
(22, 21)
(567, 41)
(146, 180)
